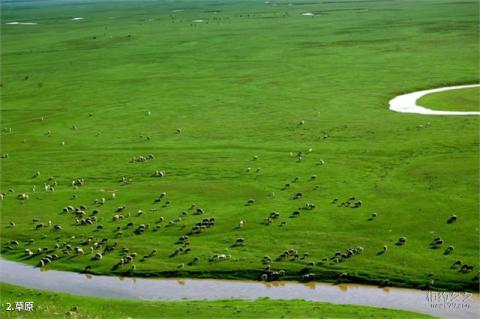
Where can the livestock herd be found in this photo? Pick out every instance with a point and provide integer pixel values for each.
(100, 244)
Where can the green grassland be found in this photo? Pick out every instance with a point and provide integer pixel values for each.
(454, 100)
(58, 305)
(240, 86)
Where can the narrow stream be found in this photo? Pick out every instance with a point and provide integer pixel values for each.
(462, 306)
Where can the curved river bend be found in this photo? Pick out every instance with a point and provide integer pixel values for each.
(206, 289)
(407, 103)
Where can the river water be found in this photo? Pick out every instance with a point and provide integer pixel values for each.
(457, 306)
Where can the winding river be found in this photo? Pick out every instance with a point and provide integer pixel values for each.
(208, 289)
(407, 103)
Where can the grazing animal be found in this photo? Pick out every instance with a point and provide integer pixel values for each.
(452, 219)
(159, 174)
(98, 256)
(308, 277)
(309, 206)
(22, 196)
(449, 250)
(401, 241)
(297, 196)
(239, 241)
(466, 268)
(437, 242)
(274, 215)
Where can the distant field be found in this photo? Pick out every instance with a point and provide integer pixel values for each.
(53, 305)
(454, 100)
(271, 105)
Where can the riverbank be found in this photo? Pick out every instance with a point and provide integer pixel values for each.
(322, 275)
(218, 289)
(60, 305)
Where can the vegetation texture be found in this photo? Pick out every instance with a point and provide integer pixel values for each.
(454, 100)
(261, 133)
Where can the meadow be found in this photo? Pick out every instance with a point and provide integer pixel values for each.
(455, 100)
(148, 117)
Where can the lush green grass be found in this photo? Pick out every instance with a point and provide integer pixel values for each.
(59, 305)
(454, 100)
(238, 87)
